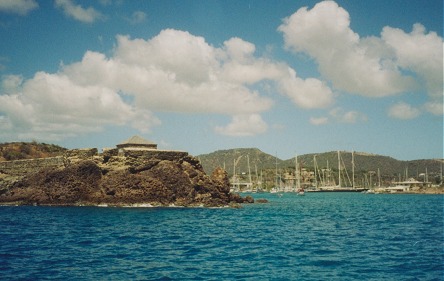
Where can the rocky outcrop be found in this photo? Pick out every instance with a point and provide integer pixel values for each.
(121, 181)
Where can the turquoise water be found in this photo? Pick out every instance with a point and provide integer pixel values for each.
(320, 236)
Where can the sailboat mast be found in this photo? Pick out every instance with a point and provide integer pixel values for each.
(379, 178)
(328, 175)
(315, 170)
(297, 173)
(276, 183)
(426, 176)
(262, 180)
(257, 176)
(339, 169)
(353, 169)
(235, 161)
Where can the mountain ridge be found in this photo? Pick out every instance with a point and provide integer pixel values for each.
(365, 162)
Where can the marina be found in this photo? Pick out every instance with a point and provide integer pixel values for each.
(318, 178)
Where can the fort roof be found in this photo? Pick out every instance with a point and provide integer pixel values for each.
(137, 141)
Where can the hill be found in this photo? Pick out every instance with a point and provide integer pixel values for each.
(225, 159)
(365, 163)
(27, 150)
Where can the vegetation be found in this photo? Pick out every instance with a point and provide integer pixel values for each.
(366, 165)
(28, 150)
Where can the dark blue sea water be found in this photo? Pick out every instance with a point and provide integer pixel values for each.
(320, 236)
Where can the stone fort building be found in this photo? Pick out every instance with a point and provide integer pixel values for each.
(134, 147)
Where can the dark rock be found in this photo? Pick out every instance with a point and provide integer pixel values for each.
(125, 181)
(57, 186)
(262, 200)
(235, 197)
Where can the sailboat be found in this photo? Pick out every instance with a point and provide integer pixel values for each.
(340, 187)
(278, 178)
(325, 183)
(300, 191)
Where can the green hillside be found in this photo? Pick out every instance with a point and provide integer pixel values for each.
(225, 159)
(366, 165)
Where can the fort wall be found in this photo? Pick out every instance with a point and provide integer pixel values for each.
(82, 153)
(26, 166)
(23, 167)
(170, 155)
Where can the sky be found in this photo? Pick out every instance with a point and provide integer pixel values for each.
(287, 77)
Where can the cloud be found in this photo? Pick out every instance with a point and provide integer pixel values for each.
(137, 17)
(421, 53)
(360, 66)
(179, 77)
(309, 93)
(52, 107)
(403, 111)
(243, 125)
(77, 12)
(435, 107)
(174, 71)
(339, 115)
(20, 7)
(318, 121)
(11, 83)
(177, 71)
(347, 116)
(243, 67)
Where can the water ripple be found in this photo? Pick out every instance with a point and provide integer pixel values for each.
(315, 237)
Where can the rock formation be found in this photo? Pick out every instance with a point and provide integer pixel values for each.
(123, 180)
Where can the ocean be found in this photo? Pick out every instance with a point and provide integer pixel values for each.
(319, 236)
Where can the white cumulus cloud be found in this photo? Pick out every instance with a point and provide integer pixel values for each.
(420, 52)
(309, 93)
(347, 116)
(435, 107)
(52, 107)
(174, 71)
(403, 111)
(20, 7)
(244, 125)
(11, 83)
(77, 12)
(324, 33)
(339, 115)
(245, 68)
(180, 77)
(318, 120)
(394, 63)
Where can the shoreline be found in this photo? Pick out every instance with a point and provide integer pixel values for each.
(105, 205)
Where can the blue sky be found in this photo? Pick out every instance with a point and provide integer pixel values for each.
(286, 77)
